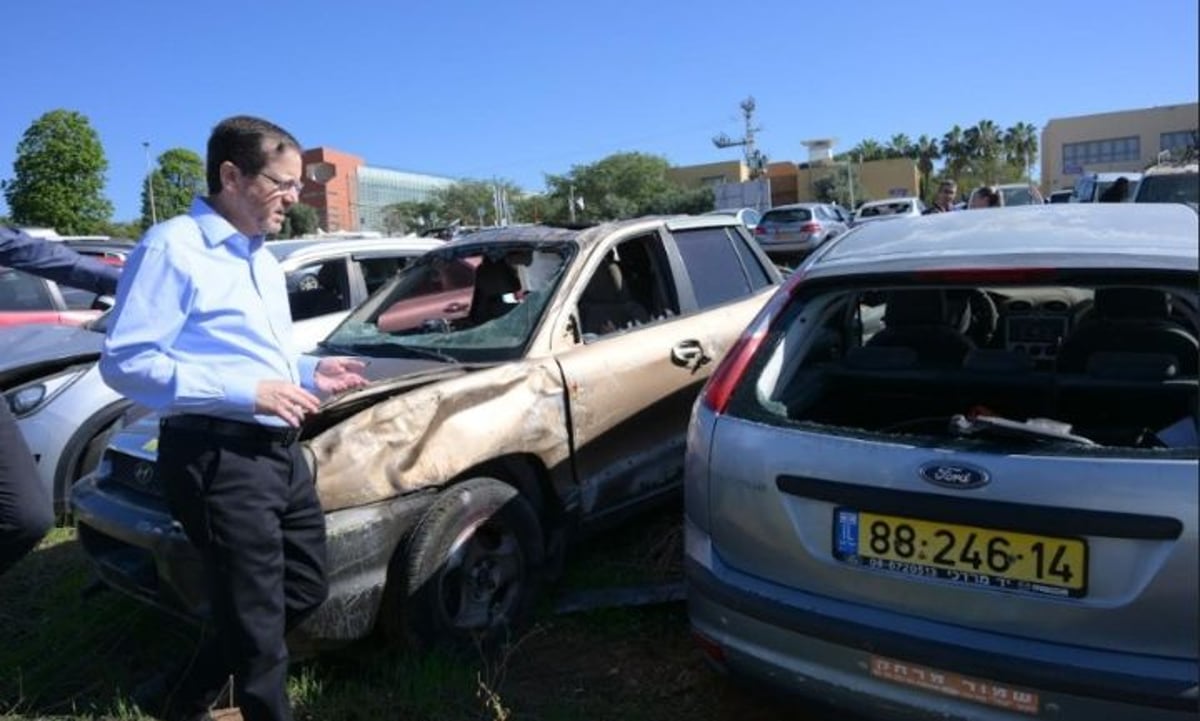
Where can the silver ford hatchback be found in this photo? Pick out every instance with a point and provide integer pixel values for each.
(951, 469)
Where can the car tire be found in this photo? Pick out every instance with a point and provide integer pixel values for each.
(470, 572)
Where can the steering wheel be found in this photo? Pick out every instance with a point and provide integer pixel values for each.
(982, 318)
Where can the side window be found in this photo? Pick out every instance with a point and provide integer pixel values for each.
(318, 289)
(627, 290)
(21, 291)
(377, 271)
(714, 265)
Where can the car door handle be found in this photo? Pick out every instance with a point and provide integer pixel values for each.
(455, 307)
(689, 354)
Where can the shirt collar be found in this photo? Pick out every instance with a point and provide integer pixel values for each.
(216, 230)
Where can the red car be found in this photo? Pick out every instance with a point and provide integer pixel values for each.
(26, 298)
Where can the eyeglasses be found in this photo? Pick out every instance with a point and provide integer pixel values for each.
(284, 186)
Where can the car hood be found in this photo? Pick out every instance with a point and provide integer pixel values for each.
(30, 345)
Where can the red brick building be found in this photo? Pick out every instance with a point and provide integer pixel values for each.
(336, 200)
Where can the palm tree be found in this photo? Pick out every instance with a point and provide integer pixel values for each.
(984, 144)
(954, 150)
(899, 146)
(868, 150)
(926, 150)
(1020, 145)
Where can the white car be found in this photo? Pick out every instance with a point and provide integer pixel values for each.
(66, 413)
(888, 209)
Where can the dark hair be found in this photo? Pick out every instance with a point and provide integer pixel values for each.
(952, 185)
(991, 193)
(242, 140)
(1116, 192)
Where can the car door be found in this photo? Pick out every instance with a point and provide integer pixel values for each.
(630, 383)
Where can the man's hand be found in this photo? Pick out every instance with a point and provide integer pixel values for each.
(286, 400)
(337, 374)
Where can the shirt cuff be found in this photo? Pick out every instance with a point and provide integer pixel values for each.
(242, 393)
(306, 365)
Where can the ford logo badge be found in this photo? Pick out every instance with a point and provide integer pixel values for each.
(957, 476)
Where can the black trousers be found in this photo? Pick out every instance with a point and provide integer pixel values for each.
(26, 508)
(250, 507)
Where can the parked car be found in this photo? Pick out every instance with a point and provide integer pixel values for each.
(67, 413)
(798, 228)
(1091, 186)
(112, 251)
(483, 444)
(1170, 183)
(748, 217)
(1014, 194)
(889, 209)
(27, 298)
(950, 471)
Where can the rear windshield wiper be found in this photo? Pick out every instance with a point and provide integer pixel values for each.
(1036, 428)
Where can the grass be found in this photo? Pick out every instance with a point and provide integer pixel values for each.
(73, 655)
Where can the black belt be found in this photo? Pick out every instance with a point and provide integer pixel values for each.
(232, 429)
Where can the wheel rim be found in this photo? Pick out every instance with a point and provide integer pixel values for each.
(480, 582)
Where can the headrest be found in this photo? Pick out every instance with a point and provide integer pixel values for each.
(606, 286)
(915, 307)
(493, 278)
(1132, 303)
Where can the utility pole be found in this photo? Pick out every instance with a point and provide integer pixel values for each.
(755, 160)
(150, 183)
(571, 203)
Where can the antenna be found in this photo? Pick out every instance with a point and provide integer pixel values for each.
(755, 160)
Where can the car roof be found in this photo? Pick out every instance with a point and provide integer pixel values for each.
(1130, 175)
(592, 235)
(1076, 235)
(300, 249)
(885, 201)
(1174, 169)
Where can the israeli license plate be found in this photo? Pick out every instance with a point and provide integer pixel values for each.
(970, 555)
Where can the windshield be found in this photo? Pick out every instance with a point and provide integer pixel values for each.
(1170, 188)
(469, 303)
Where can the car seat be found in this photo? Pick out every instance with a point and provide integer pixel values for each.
(919, 319)
(1129, 320)
(606, 302)
(493, 280)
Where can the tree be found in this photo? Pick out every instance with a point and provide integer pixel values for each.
(412, 216)
(954, 150)
(622, 185)
(926, 149)
(178, 178)
(58, 176)
(1020, 145)
(984, 144)
(300, 220)
(840, 186)
(899, 146)
(472, 201)
(868, 150)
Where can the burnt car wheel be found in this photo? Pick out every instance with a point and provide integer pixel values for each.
(470, 569)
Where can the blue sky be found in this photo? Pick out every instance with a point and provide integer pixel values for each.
(518, 89)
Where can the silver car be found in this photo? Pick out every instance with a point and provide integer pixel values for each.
(979, 503)
(798, 228)
(66, 412)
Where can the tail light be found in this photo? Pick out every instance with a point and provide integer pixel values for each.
(733, 366)
(811, 227)
(759, 230)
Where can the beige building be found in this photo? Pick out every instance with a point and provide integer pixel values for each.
(793, 183)
(1122, 141)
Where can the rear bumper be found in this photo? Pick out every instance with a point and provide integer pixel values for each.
(137, 548)
(825, 648)
(790, 244)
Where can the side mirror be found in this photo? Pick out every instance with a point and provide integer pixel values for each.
(103, 302)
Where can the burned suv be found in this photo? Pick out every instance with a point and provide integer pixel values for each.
(528, 385)
(950, 471)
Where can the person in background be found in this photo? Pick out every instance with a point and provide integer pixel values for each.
(202, 333)
(1116, 192)
(943, 202)
(26, 508)
(986, 196)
